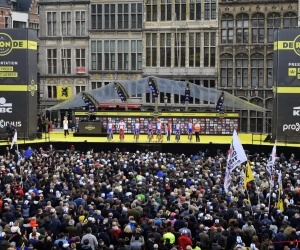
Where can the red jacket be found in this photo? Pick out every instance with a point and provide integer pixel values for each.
(184, 241)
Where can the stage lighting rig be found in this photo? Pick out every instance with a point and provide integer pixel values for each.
(91, 104)
(153, 87)
(122, 93)
(220, 103)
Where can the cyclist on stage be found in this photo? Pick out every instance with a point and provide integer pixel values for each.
(137, 128)
(149, 130)
(121, 127)
(109, 127)
(177, 128)
(159, 127)
(189, 129)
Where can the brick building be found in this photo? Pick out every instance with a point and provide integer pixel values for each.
(5, 14)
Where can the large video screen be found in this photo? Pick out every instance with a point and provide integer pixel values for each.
(210, 123)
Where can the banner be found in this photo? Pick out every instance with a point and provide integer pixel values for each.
(14, 140)
(18, 81)
(271, 161)
(248, 176)
(64, 92)
(235, 158)
(286, 77)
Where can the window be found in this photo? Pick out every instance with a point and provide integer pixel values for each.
(165, 49)
(136, 55)
(6, 22)
(66, 61)
(166, 10)
(241, 70)
(227, 29)
(80, 58)
(65, 23)
(79, 89)
(96, 52)
(257, 71)
(179, 49)
(96, 16)
(226, 70)
(256, 118)
(258, 28)
(194, 49)
(290, 20)
(209, 49)
(242, 28)
(123, 55)
(195, 9)
(151, 10)
(51, 24)
(20, 25)
(109, 16)
(123, 16)
(35, 26)
(180, 10)
(80, 23)
(109, 55)
(151, 49)
(96, 85)
(136, 15)
(210, 10)
(52, 93)
(273, 22)
(270, 71)
(52, 61)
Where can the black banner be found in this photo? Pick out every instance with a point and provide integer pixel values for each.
(90, 128)
(18, 83)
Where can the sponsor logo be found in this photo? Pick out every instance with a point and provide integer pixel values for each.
(17, 124)
(89, 127)
(295, 127)
(4, 106)
(296, 111)
(7, 44)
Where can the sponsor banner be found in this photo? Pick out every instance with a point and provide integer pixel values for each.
(288, 120)
(18, 80)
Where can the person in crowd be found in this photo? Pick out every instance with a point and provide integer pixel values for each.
(66, 199)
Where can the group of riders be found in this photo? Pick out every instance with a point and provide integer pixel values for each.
(154, 127)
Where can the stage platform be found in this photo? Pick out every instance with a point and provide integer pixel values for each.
(251, 142)
(246, 139)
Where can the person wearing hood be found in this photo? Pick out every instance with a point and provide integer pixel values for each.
(184, 240)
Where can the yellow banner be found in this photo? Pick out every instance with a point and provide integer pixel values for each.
(64, 92)
(161, 114)
(248, 175)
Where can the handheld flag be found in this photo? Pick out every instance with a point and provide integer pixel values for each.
(248, 176)
(271, 160)
(14, 140)
(235, 158)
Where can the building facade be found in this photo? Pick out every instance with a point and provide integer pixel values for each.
(5, 17)
(245, 68)
(116, 44)
(180, 43)
(63, 47)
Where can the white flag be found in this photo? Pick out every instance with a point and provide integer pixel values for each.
(271, 161)
(15, 139)
(235, 158)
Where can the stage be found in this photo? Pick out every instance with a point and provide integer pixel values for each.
(251, 142)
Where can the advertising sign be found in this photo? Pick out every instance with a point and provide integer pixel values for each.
(18, 83)
(210, 123)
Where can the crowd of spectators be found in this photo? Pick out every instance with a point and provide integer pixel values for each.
(53, 199)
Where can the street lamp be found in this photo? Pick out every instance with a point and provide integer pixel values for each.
(166, 101)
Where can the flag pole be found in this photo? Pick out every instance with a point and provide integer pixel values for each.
(270, 192)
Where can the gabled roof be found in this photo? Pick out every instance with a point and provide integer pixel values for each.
(4, 3)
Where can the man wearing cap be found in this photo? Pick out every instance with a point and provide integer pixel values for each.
(40, 244)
